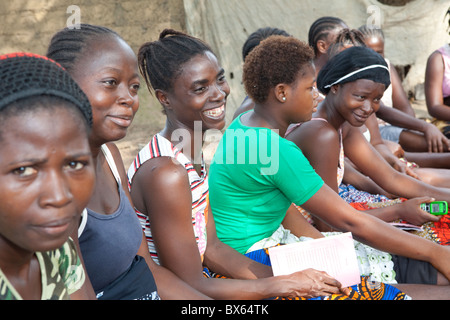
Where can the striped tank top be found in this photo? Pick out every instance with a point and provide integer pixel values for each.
(161, 147)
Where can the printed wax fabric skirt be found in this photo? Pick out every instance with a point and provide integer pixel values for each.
(370, 261)
(366, 290)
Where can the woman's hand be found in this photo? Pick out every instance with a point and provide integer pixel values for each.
(436, 141)
(410, 211)
(310, 283)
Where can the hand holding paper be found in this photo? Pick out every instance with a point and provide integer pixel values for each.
(335, 255)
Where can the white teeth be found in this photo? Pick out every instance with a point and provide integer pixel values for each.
(214, 112)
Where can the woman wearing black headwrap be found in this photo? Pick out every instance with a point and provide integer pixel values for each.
(354, 82)
(46, 179)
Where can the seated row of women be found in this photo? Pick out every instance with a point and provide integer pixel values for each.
(167, 228)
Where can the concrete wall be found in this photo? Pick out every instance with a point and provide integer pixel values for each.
(29, 24)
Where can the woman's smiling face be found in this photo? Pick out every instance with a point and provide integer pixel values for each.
(199, 93)
(357, 100)
(46, 178)
(109, 76)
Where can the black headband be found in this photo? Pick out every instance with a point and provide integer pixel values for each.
(353, 64)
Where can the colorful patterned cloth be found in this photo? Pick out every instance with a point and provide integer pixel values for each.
(366, 290)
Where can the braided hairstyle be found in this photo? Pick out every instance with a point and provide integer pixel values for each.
(160, 62)
(321, 28)
(370, 31)
(344, 39)
(256, 37)
(67, 45)
(30, 80)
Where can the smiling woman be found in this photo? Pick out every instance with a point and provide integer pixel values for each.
(354, 82)
(253, 211)
(112, 242)
(169, 182)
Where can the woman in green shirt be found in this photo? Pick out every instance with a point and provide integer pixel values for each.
(284, 95)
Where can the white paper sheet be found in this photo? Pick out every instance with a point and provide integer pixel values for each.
(334, 254)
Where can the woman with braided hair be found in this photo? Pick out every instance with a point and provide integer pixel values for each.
(321, 34)
(112, 242)
(46, 179)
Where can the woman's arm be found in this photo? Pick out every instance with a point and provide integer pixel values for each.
(164, 188)
(402, 115)
(361, 182)
(320, 144)
(430, 139)
(327, 205)
(226, 261)
(372, 164)
(399, 99)
(169, 286)
(298, 225)
(381, 146)
(323, 159)
(434, 75)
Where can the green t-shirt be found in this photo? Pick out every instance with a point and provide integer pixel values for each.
(254, 177)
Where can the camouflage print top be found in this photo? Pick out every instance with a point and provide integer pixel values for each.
(61, 275)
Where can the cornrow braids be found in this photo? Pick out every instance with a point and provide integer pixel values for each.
(256, 37)
(68, 44)
(161, 61)
(321, 28)
(29, 77)
(371, 31)
(344, 39)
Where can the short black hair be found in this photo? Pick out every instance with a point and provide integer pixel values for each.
(256, 37)
(350, 60)
(277, 59)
